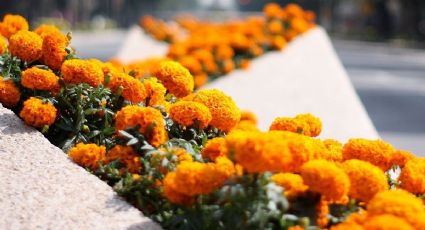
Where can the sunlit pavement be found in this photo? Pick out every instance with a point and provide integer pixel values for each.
(391, 84)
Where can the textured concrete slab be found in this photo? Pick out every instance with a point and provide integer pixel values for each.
(306, 77)
(137, 46)
(40, 188)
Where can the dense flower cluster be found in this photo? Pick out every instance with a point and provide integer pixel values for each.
(193, 160)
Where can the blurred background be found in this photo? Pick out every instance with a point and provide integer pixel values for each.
(380, 42)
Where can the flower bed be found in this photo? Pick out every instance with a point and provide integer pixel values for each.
(192, 160)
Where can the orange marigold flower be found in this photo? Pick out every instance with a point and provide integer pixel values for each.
(87, 155)
(299, 25)
(278, 42)
(11, 24)
(326, 178)
(322, 213)
(386, 222)
(305, 124)
(175, 78)
(26, 45)
(365, 179)
(275, 151)
(54, 49)
(3, 44)
(133, 89)
(39, 79)
(225, 113)
(347, 226)
(224, 52)
(44, 30)
(151, 122)
(376, 152)
(245, 63)
(36, 113)
(297, 227)
(171, 193)
(401, 157)
(272, 10)
(200, 80)
(292, 183)
(76, 71)
(155, 91)
(191, 63)
(412, 176)
(9, 93)
(228, 66)
(354, 221)
(275, 27)
(398, 203)
(334, 152)
(126, 156)
(246, 126)
(293, 10)
(190, 113)
(214, 148)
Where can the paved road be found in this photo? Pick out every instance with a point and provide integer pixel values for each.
(391, 84)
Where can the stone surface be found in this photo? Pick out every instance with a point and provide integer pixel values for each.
(40, 188)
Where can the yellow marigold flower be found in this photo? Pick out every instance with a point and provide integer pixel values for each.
(133, 89)
(26, 45)
(155, 91)
(386, 222)
(9, 93)
(292, 183)
(322, 213)
(190, 113)
(171, 193)
(54, 49)
(127, 156)
(3, 44)
(44, 30)
(175, 78)
(225, 113)
(248, 116)
(334, 152)
(275, 151)
(11, 24)
(398, 203)
(39, 79)
(376, 152)
(365, 179)
(38, 114)
(214, 148)
(151, 122)
(246, 126)
(272, 10)
(412, 176)
(401, 157)
(87, 155)
(326, 178)
(191, 63)
(305, 124)
(76, 71)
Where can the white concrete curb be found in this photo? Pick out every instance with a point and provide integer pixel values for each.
(40, 188)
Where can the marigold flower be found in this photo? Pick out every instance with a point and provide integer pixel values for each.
(376, 152)
(87, 155)
(366, 179)
(127, 156)
(224, 52)
(190, 113)
(249, 116)
(292, 183)
(171, 193)
(155, 91)
(191, 63)
(76, 71)
(322, 213)
(151, 122)
(9, 93)
(386, 222)
(26, 45)
(305, 124)
(278, 42)
(326, 178)
(54, 49)
(272, 10)
(275, 151)
(133, 89)
(334, 152)
(175, 78)
(200, 80)
(36, 113)
(214, 148)
(3, 45)
(44, 30)
(347, 226)
(11, 24)
(412, 176)
(293, 10)
(225, 113)
(246, 126)
(228, 66)
(39, 79)
(401, 157)
(275, 27)
(398, 203)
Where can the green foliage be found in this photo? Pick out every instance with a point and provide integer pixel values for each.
(11, 67)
